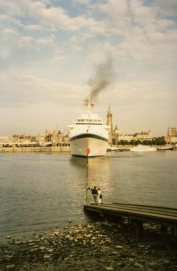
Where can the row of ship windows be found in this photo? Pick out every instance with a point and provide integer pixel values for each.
(89, 123)
(89, 120)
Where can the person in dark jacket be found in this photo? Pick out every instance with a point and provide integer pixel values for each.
(95, 194)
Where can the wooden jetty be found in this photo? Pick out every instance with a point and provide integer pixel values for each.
(137, 214)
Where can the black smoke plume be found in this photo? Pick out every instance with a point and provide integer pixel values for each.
(104, 76)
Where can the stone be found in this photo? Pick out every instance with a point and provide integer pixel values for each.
(46, 257)
(138, 265)
(42, 248)
(153, 264)
(17, 243)
(10, 267)
(8, 237)
(50, 250)
(166, 261)
(119, 247)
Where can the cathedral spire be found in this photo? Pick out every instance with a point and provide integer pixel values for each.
(110, 123)
(109, 110)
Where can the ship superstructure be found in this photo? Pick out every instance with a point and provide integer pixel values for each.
(88, 134)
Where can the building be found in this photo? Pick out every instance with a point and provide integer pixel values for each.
(143, 136)
(56, 138)
(171, 132)
(115, 136)
(170, 139)
(4, 139)
(137, 136)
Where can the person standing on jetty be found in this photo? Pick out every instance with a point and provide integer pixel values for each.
(94, 193)
(99, 196)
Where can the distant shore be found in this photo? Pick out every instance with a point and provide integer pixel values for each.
(35, 149)
(57, 149)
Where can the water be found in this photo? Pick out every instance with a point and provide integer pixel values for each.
(40, 191)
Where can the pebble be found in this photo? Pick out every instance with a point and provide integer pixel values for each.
(87, 246)
(50, 250)
(31, 244)
(10, 267)
(46, 256)
(138, 265)
(42, 248)
(153, 264)
(166, 261)
(17, 243)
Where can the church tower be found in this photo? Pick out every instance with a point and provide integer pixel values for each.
(110, 123)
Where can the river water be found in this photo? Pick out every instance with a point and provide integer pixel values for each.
(40, 191)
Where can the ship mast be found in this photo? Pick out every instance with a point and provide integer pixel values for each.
(90, 104)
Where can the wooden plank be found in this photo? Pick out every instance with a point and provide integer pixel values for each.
(158, 209)
(144, 214)
(144, 209)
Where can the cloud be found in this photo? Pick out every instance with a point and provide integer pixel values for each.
(46, 40)
(25, 41)
(21, 90)
(11, 20)
(168, 8)
(10, 31)
(83, 2)
(54, 17)
(34, 27)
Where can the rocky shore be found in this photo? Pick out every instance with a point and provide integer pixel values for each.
(97, 246)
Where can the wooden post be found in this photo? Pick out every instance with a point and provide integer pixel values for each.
(87, 151)
(87, 183)
(139, 227)
(163, 230)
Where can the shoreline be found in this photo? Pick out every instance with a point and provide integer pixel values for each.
(96, 246)
(66, 149)
(35, 149)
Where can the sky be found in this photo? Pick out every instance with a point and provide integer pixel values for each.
(50, 51)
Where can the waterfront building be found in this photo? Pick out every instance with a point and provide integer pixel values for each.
(56, 138)
(115, 136)
(171, 132)
(137, 136)
(170, 139)
(15, 139)
(143, 136)
(4, 139)
(125, 137)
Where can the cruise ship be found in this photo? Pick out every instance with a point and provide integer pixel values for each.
(88, 134)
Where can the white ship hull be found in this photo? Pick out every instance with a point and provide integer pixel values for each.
(96, 144)
(88, 135)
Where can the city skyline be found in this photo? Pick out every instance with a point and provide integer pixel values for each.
(51, 52)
